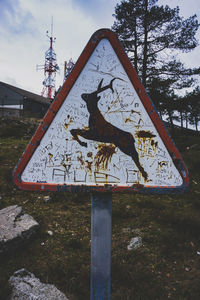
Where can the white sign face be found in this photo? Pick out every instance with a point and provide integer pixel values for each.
(102, 133)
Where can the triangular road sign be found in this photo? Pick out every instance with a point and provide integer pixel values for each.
(102, 132)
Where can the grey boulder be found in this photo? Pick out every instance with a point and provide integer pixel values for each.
(25, 286)
(15, 227)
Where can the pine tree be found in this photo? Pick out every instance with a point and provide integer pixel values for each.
(152, 35)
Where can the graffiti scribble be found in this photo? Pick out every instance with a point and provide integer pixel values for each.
(104, 156)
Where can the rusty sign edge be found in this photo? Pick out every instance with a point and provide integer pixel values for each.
(62, 95)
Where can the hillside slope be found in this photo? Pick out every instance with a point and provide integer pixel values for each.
(167, 266)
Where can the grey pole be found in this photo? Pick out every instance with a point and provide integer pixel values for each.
(101, 237)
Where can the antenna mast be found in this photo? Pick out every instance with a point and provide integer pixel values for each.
(50, 68)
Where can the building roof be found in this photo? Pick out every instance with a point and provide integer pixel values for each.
(26, 94)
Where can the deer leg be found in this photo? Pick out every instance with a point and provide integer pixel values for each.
(75, 133)
(135, 158)
(141, 169)
(85, 133)
(127, 145)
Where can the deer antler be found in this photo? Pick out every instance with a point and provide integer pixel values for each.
(109, 86)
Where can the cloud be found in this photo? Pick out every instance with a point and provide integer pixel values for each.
(70, 23)
(11, 81)
(23, 41)
(101, 10)
(14, 20)
(7, 9)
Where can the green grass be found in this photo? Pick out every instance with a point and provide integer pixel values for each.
(167, 266)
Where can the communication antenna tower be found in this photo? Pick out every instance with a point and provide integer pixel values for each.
(50, 68)
(68, 66)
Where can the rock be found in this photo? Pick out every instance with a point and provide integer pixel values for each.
(47, 199)
(25, 286)
(15, 227)
(50, 232)
(135, 243)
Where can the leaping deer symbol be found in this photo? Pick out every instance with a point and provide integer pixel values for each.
(102, 131)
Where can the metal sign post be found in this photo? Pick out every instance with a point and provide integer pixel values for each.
(101, 236)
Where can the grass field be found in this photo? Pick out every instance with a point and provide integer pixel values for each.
(167, 266)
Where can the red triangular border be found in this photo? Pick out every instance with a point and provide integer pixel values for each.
(55, 106)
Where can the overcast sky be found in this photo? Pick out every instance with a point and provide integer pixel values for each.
(23, 41)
